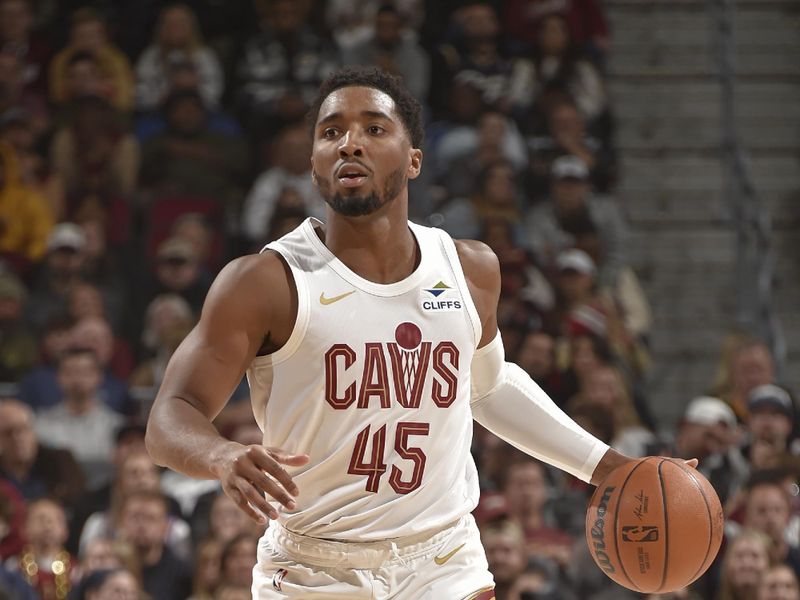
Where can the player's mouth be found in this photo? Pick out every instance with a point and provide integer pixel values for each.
(352, 175)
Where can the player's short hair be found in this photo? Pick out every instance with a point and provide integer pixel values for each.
(407, 107)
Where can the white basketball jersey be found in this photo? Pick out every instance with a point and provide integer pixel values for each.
(374, 385)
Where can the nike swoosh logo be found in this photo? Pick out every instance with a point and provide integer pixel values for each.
(325, 301)
(440, 560)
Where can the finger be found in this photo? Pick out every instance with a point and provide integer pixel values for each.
(265, 461)
(264, 483)
(257, 500)
(287, 458)
(241, 501)
(693, 462)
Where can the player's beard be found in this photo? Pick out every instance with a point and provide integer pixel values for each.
(353, 205)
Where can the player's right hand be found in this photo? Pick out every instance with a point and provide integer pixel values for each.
(248, 472)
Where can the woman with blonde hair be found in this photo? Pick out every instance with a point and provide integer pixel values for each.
(177, 45)
(745, 563)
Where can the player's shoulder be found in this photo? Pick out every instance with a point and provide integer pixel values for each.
(253, 272)
(477, 258)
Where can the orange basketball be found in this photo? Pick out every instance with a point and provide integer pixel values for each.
(654, 525)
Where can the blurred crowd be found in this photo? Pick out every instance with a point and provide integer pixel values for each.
(145, 143)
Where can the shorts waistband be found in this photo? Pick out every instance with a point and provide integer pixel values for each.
(356, 555)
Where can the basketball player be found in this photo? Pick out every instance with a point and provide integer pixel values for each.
(370, 345)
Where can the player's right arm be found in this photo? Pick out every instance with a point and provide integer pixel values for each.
(249, 302)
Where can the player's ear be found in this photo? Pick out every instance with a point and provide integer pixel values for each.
(415, 166)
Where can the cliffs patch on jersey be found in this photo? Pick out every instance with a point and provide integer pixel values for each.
(440, 297)
(411, 361)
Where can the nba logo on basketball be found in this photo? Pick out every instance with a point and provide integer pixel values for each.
(640, 533)
(277, 578)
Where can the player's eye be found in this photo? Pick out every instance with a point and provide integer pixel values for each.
(376, 129)
(329, 133)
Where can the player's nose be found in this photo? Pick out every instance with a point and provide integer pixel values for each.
(350, 145)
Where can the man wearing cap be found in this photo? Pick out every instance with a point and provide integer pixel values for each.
(62, 267)
(708, 431)
(770, 425)
(554, 225)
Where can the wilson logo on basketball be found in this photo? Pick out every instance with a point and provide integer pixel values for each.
(640, 533)
(411, 361)
(599, 535)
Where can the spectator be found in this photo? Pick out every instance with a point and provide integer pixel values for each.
(110, 584)
(136, 473)
(88, 35)
(557, 67)
(290, 170)
(779, 583)
(393, 50)
(281, 67)
(18, 38)
(12, 521)
(607, 390)
(551, 226)
(528, 492)
(206, 569)
(749, 365)
(44, 562)
(102, 553)
(770, 425)
(178, 271)
(538, 358)
(504, 544)
(168, 320)
(103, 269)
(18, 101)
(540, 580)
(587, 23)
(18, 345)
(128, 440)
(81, 422)
(40, 388)
(177, 40)
(96, 156)
(237, 560)
(768, 510)
(61, 269)
(94, 333)
(26, 218)
(745, 562)
(708, 432)
(496, 198)
(227, 591)
(567, 135)
(191, 159)
(144, 523)
(195, 229)
(475, 56)
(23, 131)
(14, 587)
(35, 469)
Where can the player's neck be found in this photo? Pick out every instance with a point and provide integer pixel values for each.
(378, 247)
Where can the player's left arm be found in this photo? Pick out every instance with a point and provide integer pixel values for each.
(508, 402)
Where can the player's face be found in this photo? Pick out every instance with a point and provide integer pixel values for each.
(362, 157)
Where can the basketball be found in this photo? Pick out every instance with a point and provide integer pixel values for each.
(654, 525)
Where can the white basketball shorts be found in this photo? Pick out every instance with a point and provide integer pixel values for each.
(448, 565)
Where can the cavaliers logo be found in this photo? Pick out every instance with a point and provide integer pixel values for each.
(397, 370)
(640, 533)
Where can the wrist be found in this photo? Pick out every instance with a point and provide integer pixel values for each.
(220, 457)
(610, 461)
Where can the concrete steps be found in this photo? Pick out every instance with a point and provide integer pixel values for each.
(667, 101)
